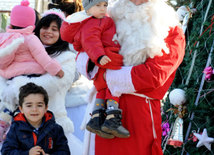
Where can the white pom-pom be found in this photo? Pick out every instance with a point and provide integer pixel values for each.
(177, 97)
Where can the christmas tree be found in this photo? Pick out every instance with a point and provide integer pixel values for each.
(199, 88)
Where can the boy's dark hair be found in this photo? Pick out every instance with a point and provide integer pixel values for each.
(60, 45)
(31, 88)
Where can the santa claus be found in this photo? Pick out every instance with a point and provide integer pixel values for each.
(153, 47)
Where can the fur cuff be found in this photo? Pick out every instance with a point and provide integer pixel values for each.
(120, 81)
(82, 64)
(93, 73)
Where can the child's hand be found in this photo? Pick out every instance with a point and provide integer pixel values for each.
(60, 74)
(104, 60)
(36, 150)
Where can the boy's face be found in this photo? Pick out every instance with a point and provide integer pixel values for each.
(99, 10)
(34, 109)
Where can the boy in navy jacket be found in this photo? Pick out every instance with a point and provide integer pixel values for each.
(34, 130)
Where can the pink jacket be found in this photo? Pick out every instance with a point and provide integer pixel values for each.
(23, 53)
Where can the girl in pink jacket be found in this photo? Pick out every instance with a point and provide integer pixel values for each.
(21, 52)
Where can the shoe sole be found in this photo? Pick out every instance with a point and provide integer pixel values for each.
(100, 133)
(113, 132)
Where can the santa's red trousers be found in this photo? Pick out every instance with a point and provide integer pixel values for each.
(136, 117)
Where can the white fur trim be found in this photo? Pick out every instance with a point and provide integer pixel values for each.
(12, 47)
(93, 73)
(82, 65)
(77, 17)
(120, 81)
(142, 29)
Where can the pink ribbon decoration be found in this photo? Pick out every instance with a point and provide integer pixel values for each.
(209, 72)
(165, 128)
(193, 137)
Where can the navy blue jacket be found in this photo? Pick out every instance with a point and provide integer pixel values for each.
(22, 137)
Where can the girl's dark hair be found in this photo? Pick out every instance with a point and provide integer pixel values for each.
(60, 45)
(31, 88)
(37, 16)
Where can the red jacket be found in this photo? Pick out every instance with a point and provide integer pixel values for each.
(22, 137)
(153, 78)
(90, 35)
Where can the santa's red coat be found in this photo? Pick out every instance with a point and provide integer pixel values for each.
(153, 79)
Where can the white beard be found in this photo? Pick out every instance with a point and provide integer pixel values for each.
(142, 29)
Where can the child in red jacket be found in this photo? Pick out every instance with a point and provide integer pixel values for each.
(92, 32)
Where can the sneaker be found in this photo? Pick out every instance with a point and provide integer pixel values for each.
(95, 123)
(4, 126)
(113, 124)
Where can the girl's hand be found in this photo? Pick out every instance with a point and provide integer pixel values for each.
(60, 74)
(36, 150)
(104, 60)
(138, 2)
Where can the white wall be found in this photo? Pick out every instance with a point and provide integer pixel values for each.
(7, 5)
